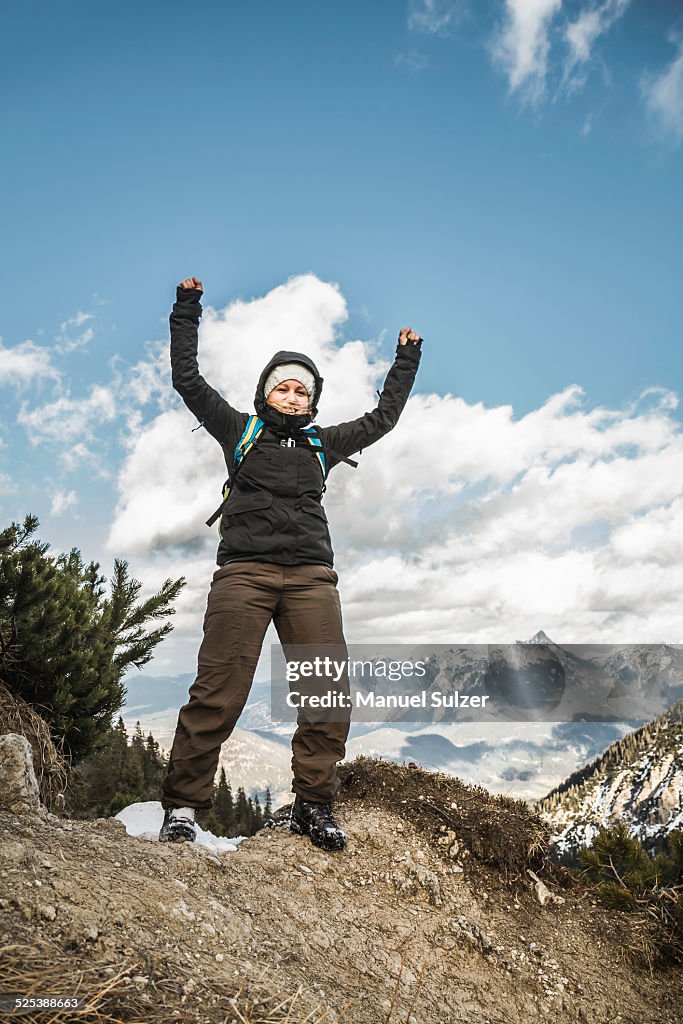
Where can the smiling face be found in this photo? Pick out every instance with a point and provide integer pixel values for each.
(289, 397)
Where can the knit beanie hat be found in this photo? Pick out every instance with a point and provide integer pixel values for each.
(289, 371)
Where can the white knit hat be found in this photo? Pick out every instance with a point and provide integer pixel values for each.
(290, 371)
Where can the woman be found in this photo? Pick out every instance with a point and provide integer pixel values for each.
(275, 563)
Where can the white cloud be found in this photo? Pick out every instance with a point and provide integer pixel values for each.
(521, 45)
(150, 379)
(77, 455)
(76, 321)
(663, 97)
(463, 523)
(432, 17)
(524, 46)
(582, 33)
(24, 363)
(61, 502)
(68, 420)
(66, 343)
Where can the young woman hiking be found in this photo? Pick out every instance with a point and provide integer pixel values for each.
(275, 563)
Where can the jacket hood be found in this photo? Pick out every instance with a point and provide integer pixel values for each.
(273, 416)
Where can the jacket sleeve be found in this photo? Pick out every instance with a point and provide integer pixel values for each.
(211, 409)
(347, 438)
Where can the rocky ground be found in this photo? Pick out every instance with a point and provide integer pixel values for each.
(405, 927)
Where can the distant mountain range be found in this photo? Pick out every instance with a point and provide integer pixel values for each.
(523, 758)
(638, 780)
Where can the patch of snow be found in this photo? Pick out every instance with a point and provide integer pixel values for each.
(144, 820)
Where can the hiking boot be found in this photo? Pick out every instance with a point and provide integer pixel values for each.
(316, 821)
(179, 826)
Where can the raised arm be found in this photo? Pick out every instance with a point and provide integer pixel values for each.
(210, 408)
(347, 438)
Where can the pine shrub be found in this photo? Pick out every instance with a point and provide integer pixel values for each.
(625, 877)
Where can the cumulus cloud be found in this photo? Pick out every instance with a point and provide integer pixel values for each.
(25, 363)
(515, 525)
(149, 380)
(564, 519)
(521, 45)
(68, 420)
(663, 97)
(432, 17)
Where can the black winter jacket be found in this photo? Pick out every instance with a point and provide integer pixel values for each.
(274, 512)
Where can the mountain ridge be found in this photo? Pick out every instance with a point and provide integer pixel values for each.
(638, 780)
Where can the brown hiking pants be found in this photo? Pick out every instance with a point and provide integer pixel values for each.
(303, 602)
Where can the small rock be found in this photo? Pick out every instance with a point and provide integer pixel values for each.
(543, 893)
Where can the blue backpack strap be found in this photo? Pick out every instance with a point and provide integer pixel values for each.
(251, 434)
(313, 436)
(249, 437)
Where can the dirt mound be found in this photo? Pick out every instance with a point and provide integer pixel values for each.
(410, 925)
(495, 830)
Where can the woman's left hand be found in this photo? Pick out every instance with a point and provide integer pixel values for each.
(407, 334)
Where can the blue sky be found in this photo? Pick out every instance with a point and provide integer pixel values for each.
(504, 176)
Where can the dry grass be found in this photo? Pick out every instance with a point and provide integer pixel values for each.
(497, 831)
(50, 765)
(138, 992)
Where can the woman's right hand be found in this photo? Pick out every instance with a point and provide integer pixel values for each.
(191, 282)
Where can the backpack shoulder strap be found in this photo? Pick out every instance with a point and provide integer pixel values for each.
(313, 436)
(315, 439)
(252, 432)
(250, 436)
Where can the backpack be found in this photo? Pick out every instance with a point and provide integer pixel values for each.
(252, 432)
